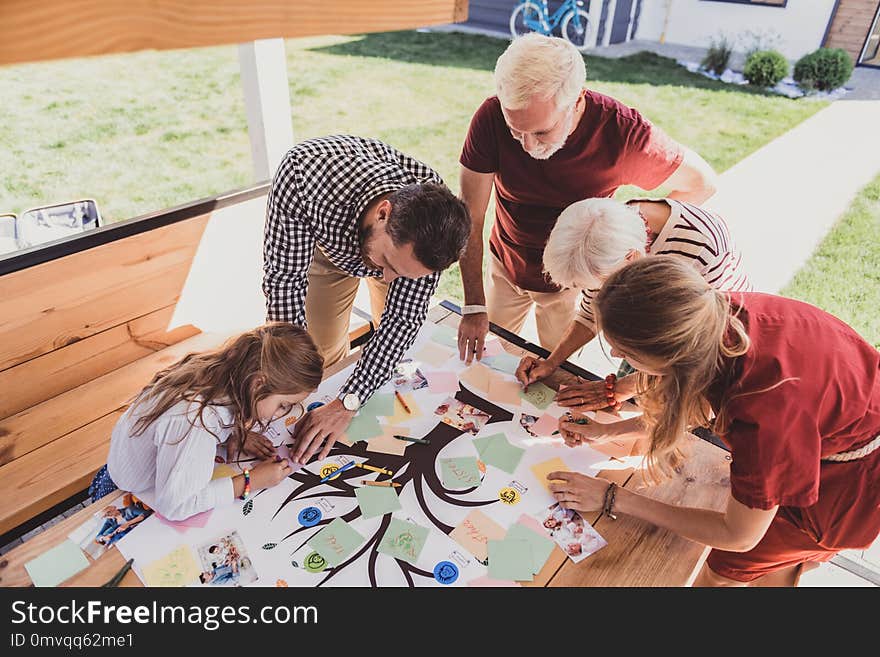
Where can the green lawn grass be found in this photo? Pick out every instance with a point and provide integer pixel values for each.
(146, 131)
(843, 275)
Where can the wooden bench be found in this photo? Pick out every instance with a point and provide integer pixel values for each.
(86, 322)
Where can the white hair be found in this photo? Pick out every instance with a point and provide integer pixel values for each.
(590, 241)
(538, 66)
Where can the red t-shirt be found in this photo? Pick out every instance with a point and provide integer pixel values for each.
(612, 145)
(777, 437)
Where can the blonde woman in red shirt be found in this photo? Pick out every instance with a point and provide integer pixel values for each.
(793, 391)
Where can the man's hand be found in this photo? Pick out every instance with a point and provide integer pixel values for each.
(578, 492)
(472, 330)
(325, 424)
(532, 369)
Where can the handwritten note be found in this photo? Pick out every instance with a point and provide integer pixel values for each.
(403, 540)
(336, 541)
(475, 532)
(460, 472)
(177, 568)
(538, 395)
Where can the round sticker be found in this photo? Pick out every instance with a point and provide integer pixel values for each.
(314, 405)
(310, 516)
(446, 572)
(315, 563)
(328, 469)
(509, 496)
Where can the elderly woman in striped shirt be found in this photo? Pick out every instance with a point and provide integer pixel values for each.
(595, 237)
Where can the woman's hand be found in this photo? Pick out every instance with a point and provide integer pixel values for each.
(580, 431)
(583, 397)
(578, 492)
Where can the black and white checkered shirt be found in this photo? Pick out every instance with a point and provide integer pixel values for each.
(318, 194)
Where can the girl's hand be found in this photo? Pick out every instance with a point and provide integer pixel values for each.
(578, 492)
(269, 473)
(254, 444)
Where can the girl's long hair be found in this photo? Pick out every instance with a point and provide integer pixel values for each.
(276, 358)
(659, 310)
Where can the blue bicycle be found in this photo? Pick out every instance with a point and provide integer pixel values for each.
(534, 16)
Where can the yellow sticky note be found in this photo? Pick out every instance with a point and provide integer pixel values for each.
(387, 443)
(474, 533)
(177, 568)
(434, 354)
(503, 391)
(541, 470)
(477, 376)
(400, 414)
(224, 470)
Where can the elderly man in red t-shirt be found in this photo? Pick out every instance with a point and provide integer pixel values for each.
(546, 142)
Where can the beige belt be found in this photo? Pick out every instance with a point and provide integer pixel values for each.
(864, 450)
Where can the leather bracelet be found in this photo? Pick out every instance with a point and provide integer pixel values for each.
(608, 506)
(473, 310)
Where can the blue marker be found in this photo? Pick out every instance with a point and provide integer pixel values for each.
(333, 474)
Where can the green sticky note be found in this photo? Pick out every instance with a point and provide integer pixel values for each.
(511, 559)
(380, 404)
(377, 500)
(541, 545)
(403, 540)
(503, 362)
(336, 541)
(460, 472)
(482, 443)
(56, 565)
(363, 427)
(539, 395)
(502, 454)
(446, 336)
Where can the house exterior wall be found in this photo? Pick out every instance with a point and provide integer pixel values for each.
(850, 26)
(800, 25)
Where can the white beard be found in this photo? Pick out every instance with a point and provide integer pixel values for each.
(548, 150)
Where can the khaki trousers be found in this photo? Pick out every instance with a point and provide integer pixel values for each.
(509, 306)
(329, 301)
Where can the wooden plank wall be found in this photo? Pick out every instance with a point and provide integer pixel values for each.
(850, 26)
(53, 29)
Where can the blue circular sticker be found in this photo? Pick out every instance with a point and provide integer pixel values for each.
(446, 572)
(314, 405)
(310, 516)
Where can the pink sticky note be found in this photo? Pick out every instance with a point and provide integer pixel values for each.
(532, 523)
(546, 425)
(497, 583)
(442, 381)
(198, 520)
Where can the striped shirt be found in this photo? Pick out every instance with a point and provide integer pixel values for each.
(318, 195)
(698, 236)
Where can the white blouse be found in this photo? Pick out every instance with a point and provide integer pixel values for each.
(171, 463)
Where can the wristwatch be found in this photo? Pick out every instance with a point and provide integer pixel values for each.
(351, 401)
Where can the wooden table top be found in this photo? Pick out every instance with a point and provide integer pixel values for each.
(637, 554)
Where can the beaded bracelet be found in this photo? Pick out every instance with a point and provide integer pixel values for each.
(608, 505)
(610, 381)
(247, 485)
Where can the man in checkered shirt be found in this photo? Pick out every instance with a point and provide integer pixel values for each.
(343, 208)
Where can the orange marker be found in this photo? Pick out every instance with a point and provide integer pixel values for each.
(387, 484)
(402, 402)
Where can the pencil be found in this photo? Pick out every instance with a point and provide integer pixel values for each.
(420, 441)
(375, 469)
(402, 402)
(387, 484)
